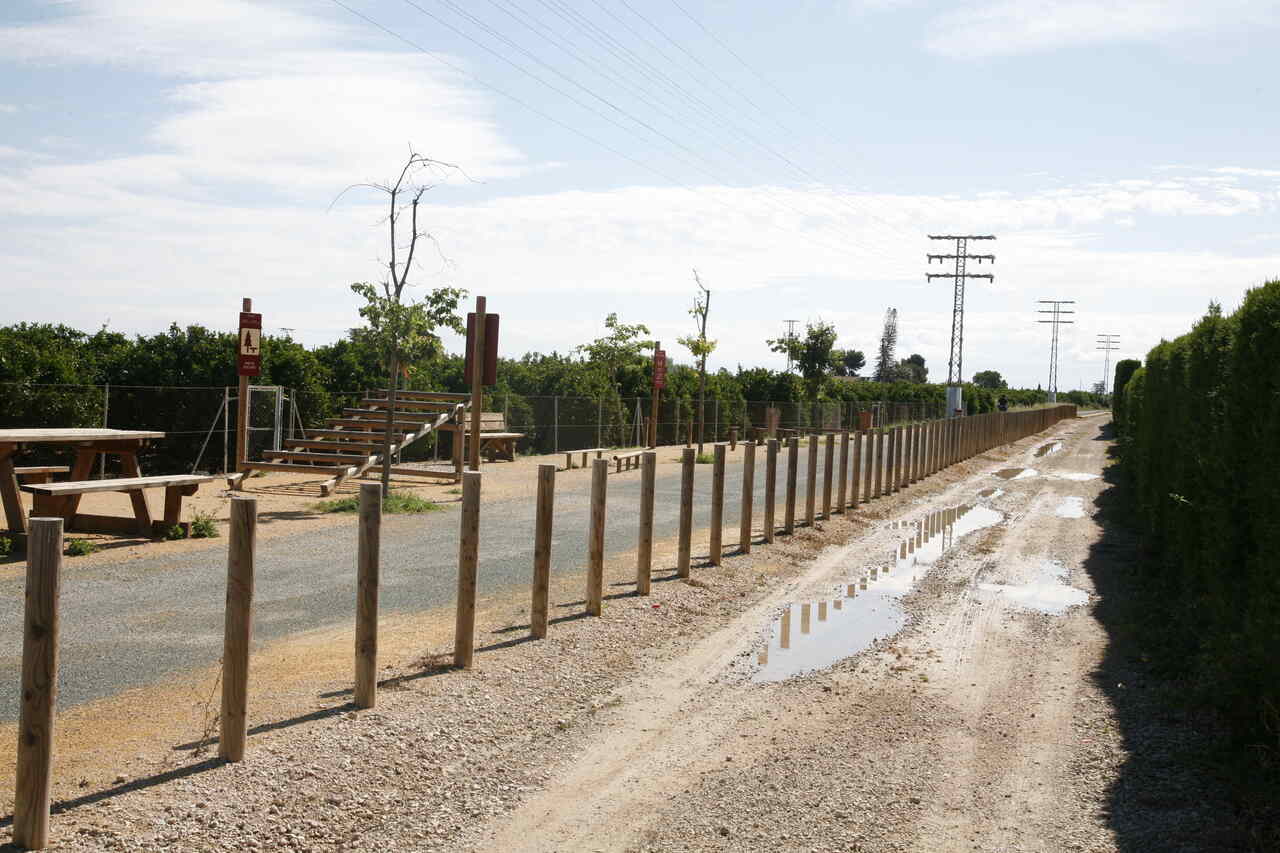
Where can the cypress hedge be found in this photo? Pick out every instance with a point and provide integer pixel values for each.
(1201, 451)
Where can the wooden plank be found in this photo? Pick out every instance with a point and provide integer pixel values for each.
(684, 548)
(770, 488)
(380, 416)
(238, 629)
(137, 497)
(285, 466)
(717, 504)
(324, 444)
(14, 512)
(42, 469)
(793, 463)
(308, 456)
(409, 403)
(828, 471)
(538, 611)
(367, 580)
(120, 484)
(811, 483)
(644, 548)
(72, 435)
(748, 495)
(32, 785)
(372, 425)
(442, 396)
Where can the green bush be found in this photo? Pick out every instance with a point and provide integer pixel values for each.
(396, 502)
(175, 532)
(79, 547)
(203, 526)
(1200, 448)
(6, 545)
(1124, 372)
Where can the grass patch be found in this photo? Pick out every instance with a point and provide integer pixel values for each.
(396, 502)
(704, 458)
(203, 526)
(6, 545)
(175, 532)
(79, 547)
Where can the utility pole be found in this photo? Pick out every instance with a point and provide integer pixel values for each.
(955, 371)
(1108, 344)
(1057, 311)
(791, 336)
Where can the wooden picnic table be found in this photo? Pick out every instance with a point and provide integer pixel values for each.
(89, 443)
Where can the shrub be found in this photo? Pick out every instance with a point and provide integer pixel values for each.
(6, 545)
(79, 547)
(203, 526)
(396, 502)
(175, 532)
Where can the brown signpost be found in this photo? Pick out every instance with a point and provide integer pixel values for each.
(248, 363)
(482, 349)
(659, 382)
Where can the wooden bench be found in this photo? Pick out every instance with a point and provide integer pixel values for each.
(495, 440)
(40, 473)
(62, 500)
(569, 454)
(630, 459)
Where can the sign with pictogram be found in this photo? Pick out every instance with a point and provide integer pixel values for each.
(660, 369)
(249, 357)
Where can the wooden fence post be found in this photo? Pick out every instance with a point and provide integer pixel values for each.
(542, 527)
(238, 628)
(686, 511)
(717, 503)
(733, 438)
(828, 471)
(464, 635)
(595, 542)
(891, 462)
(904, 454)
(793, 462)
(32, 783)
(878, 485)
(842, 493)
(367, 572)
(644, 549)
(748, 497)
(856, 464)
(811, 483)
(770, 487)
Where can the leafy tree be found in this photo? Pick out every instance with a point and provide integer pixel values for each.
(989, 379)
(912, 369)
(403, 332)
(622, 346)
(701, 347)
(885, 364)
(811, 354)
(847, 362)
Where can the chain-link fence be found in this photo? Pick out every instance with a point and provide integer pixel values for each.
(199, 423)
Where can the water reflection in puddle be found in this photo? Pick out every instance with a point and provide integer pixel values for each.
(1047, 592)
(866, 608)
(990, 493)
(1074, 476)
(1016, 473)
(1051, 447)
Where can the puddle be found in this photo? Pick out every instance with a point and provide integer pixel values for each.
(814, 635)
(1016, 473)
(1051, 447)
(1074, 476)
(1048, 592)
(990, 493)
(1070, 508)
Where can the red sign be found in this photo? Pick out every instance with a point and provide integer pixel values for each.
(660, 369)
(489, 376)
(249, 355)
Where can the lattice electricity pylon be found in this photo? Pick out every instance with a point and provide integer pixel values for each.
(1108, 344)
(1057, 311)
(955, 371)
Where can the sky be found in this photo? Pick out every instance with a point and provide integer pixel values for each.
(161, 160)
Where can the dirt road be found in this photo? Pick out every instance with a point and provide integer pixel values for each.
(970, 697)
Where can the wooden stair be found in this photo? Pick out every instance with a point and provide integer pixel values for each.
(350, 445)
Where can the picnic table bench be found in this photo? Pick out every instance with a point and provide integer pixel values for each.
(495, 439)
(40, 473)
(62, 500)
(569, 454)
(630, 459)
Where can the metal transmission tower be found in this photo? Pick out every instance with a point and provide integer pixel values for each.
(791, 336)
(955, 371)
(1057, 311)
(1108, 344)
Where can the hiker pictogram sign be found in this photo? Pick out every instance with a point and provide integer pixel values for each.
(249, 358)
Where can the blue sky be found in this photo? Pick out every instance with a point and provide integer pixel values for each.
(158, 160)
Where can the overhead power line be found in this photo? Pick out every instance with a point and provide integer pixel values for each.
(1057, 312)
(955, 369)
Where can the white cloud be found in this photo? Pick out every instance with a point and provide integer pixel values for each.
(1007, 27)
(8, 108)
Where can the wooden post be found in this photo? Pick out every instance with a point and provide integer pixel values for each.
(878, 483)
(238, 628)
(811, 484)
(477, 386)
(793, 462)
(242, 407)
(367, 571)
(644, 549)
(39, 684)
(542, 526)
(856, 465)
(717, 504)
(733, 436)
(686, 511)
(828, 471)
(748, 497)
(464, 633)
(770, 487)
(891, 462)
(904, 447)
(656, 404)
(595, 541)
(842, 493)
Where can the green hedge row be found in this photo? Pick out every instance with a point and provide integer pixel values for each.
(1201, 447)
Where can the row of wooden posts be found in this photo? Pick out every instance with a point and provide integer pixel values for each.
(881, 461)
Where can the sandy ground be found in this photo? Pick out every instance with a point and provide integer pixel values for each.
(985, 723)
